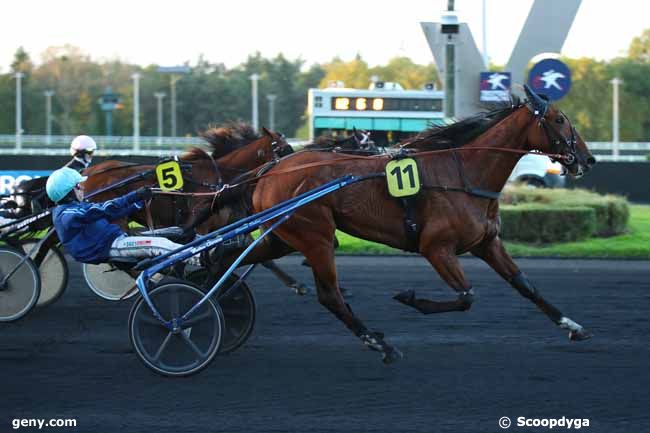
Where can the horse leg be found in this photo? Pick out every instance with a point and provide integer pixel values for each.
(275, 244)
(347, 293)
(495, 255)
(287, 279)
(447, 265)
(270, 248)
(330, 297)
(320, 253)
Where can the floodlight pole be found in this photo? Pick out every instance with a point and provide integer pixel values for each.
(159, 97)
(615, 124)
(19, 110)
(485, 55)
(271, 99)
(255, 120)
(136, 111)
(48, 115)
(174, 79)
(450, 71)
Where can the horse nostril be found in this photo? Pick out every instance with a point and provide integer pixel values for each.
(591, 160)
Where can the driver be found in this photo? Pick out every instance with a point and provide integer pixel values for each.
(85, 229)
(27, 198)
(81, 149)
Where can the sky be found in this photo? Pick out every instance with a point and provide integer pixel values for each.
(171, 33)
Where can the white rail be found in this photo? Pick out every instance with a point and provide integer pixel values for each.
(160, 146)
(59, 145)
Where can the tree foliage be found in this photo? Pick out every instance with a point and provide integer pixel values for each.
(214, 94)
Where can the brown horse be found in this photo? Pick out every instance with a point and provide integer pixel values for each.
(236, 149)
(456, 211)
(233, 153)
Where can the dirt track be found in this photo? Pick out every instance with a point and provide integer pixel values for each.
(302, 371)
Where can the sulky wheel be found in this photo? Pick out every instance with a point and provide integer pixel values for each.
(176, 353)
(20, 284)
(53, 271)
(238, 309)
(109, 282)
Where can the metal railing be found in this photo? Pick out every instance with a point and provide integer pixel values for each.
(626, 151)
(59, 145)
(160, 146)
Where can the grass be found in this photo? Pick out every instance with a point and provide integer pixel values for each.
(633, 244)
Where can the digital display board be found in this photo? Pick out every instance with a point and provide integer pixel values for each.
(345, 103)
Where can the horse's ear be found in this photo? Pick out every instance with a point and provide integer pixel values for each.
(266, 131)
(354, 131)
(538, 105)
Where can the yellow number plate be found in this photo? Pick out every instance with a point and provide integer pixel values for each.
(402, 177)
(169, 176)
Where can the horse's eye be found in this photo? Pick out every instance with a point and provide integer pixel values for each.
(559, 120)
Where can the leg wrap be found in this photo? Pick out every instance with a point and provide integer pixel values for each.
(524, 286)
(527, 290)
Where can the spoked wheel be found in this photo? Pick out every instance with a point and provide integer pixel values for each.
(53, 271)
(109, 282)
(20, 291)
(238, 309)
(182, 352)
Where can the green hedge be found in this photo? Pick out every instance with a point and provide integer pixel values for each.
(612, 212)
(538, 223)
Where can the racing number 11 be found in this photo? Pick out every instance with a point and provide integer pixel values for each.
(397, 172)
(402, 177)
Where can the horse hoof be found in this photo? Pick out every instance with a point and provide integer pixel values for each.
(406, 297)
(579, 335)
(300, 289)
(391, 356)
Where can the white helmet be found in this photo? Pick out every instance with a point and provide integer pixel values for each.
(82, 143)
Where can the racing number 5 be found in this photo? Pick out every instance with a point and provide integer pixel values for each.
(169, 177)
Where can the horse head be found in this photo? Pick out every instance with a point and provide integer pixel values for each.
(555, 134)
(279, 144)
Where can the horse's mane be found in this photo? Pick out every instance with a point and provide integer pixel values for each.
(462, 132)
(229, 137)
(326, 142)
(194, 153)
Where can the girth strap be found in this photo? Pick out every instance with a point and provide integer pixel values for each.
(411, 226)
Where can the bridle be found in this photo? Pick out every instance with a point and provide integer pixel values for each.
(280, 147)
(557, 140)
(539, 108)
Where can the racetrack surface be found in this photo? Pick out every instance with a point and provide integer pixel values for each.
(302, 371)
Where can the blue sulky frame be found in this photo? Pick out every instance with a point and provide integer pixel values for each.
(283, 211)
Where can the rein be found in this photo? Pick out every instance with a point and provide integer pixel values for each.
(124, 165)
(467, 188)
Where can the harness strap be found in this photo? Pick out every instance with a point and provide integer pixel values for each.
(410, 224)
(467, 186)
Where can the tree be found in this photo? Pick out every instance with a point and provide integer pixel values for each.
(404, 71)
(640, 47)
(354, 74)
